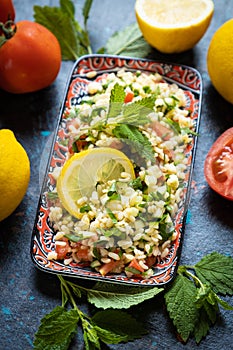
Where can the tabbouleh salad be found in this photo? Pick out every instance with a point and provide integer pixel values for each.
(126, 225)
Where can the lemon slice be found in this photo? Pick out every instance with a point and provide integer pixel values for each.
(81, 173)
(173, 26)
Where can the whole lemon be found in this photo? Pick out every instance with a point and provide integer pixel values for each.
(14, 173)
(173, 26)
(220, 60)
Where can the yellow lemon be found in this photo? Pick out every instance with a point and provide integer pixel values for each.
(83, 171)
(14, 173)
(173, 26)
(220, 60)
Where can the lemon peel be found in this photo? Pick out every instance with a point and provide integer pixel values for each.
(84, 170)
(173, 26)
(14, 173)
(220, 60)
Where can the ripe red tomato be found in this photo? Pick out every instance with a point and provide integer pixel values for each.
(7, 11)
(30, 60)
(218, 166)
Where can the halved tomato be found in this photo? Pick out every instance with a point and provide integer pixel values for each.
(218, 168)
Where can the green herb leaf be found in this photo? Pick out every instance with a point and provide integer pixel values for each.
(174, 125)
(109, 337)
(85, 208)
(180, 301)
(62, 26)
(128, 42)
(217, 270)
(140, 109)
(86, 10)
(74, 41)
(202, 326)
(206, 299)
(132, 136)
(120, 326)
(56, 330)
(107, 296)
(136, 183)
(67, 7)
(111, 215)
(223, 303)
(116, 101)
(91, 338)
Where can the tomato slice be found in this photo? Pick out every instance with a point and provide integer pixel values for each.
(218, 168)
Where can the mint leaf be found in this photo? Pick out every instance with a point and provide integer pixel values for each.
(132, 136)
(117, 324)
(128, 42)
(223, 303)
(180, 301)
(116, 101)
(62, 26)
(139, 110)
(86, 10)
(109, 337)
(90, 336)
(67, 7)
(206, 299)
(56, 330)
(202, 326)
(217, 270)
(107, 296)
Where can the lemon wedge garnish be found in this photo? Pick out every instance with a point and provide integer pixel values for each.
(173, 26)
(83, 171)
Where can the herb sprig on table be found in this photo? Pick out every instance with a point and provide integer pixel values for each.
(192, 302)
(74, 37)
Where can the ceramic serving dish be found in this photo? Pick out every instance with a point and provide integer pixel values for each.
(42, 241)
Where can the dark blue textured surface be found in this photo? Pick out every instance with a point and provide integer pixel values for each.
(27, 294)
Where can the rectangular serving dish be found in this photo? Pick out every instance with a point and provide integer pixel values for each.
(42, 242)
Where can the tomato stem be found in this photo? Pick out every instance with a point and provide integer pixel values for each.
(8, 28)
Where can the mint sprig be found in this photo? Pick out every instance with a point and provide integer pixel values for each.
(58, 328)
(61, 21)
(192, 300)
(74, 37)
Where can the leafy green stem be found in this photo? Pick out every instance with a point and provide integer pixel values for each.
(64, 284)
(194, 277)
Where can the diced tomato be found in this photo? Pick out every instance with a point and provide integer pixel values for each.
(62, 250)
(135, 265)
(129, 97)
(108, 267)
(83, 254)
(218, 166)
(150, 260)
